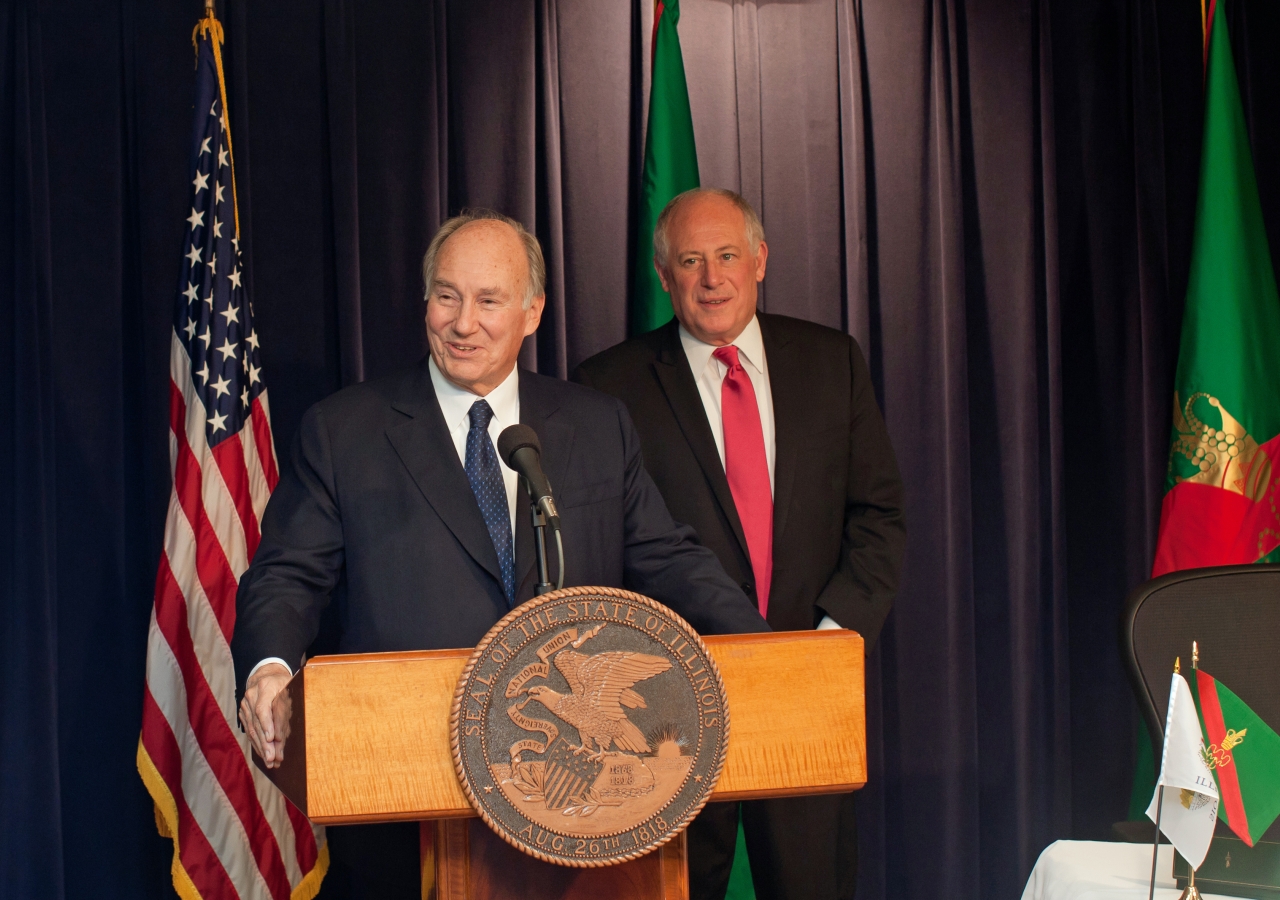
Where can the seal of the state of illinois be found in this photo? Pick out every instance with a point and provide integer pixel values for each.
(589, 726)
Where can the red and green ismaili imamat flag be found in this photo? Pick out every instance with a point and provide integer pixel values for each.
(670, 161)
(1222, 500)
(1244, 754)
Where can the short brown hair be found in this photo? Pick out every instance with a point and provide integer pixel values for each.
(532, 249)
(661, 247)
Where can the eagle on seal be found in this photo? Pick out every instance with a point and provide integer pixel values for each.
(600, 685)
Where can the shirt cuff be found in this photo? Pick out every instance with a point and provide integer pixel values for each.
(827, 624)
(276, 659)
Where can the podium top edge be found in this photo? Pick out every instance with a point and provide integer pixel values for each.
(713, 640)
(782, 637)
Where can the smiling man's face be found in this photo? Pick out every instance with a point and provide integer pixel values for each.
(712, 270)
(476, 318)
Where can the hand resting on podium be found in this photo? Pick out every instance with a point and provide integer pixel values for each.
(267, 721)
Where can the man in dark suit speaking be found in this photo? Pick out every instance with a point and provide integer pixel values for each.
(762, 432)
(397, 506)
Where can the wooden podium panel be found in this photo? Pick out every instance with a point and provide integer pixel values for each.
(462, 859)
(797, 713)
(369, 734)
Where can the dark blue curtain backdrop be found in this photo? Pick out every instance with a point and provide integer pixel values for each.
(995, 197)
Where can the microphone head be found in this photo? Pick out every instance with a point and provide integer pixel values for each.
(514, 438)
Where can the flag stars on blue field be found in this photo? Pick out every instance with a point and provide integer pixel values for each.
(215, 323)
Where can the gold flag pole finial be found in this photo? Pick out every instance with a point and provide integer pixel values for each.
(1195, 655)
(1177, 664)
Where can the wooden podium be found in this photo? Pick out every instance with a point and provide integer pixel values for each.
(368, 741)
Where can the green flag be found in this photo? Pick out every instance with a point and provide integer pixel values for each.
(1221, 490)
(1244, 754)
(670, 161)
(1221, 501)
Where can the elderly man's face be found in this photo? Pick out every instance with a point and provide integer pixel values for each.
(711, 272)
(475, 316)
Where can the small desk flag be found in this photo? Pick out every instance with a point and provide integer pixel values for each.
(1185, 803)
(1244, 755)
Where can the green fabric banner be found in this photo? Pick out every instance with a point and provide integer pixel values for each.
(1221, 503)
(670, 162)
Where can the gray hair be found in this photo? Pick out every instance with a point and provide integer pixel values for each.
(661, 246)
(532, 249)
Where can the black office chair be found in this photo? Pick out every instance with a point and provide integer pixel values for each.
(1232, 612)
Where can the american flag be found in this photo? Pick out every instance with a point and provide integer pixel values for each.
(234, 834)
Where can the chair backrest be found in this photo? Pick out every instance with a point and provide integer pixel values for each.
(1233, 612)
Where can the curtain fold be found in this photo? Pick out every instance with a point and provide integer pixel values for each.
(31, 860)
(343, 207)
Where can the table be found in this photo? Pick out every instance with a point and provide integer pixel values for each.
(1102, 870)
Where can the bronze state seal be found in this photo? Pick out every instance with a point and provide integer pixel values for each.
(589, 726)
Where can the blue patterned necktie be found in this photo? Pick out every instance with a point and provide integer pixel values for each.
(485, 476)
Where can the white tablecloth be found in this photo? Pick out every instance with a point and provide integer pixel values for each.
(1100, 870)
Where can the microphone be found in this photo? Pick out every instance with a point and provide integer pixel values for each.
(520, 449)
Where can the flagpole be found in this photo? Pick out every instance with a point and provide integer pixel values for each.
(1191, 893)
(1155, 846)
(1160, 805)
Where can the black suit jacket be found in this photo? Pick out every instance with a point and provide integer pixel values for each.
(376, 512)
(838, 531)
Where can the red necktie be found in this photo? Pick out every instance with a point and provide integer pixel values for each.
(747, 468)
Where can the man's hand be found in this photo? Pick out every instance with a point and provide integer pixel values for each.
(267, 721)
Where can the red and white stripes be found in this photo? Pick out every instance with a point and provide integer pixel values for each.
(234, 834)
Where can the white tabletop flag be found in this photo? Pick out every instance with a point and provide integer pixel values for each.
(1190, 806)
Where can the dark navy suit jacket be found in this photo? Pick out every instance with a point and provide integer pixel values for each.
(377, 514)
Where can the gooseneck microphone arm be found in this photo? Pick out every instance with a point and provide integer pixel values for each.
(520, 449)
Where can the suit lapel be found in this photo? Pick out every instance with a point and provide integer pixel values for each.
(539, 410)
(787, 386)
(675, 376)
(423, 444)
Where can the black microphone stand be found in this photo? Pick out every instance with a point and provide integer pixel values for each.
(538, 516)
(544, 584)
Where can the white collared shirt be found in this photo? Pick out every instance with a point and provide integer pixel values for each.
(708, 374)
(455, 405)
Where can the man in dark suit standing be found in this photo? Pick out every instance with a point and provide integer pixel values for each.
(397, 506)
(763, 433)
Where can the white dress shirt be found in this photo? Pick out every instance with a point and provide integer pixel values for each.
(455, 404)
(708, 374)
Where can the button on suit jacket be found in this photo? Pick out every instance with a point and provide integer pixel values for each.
(376, 514)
